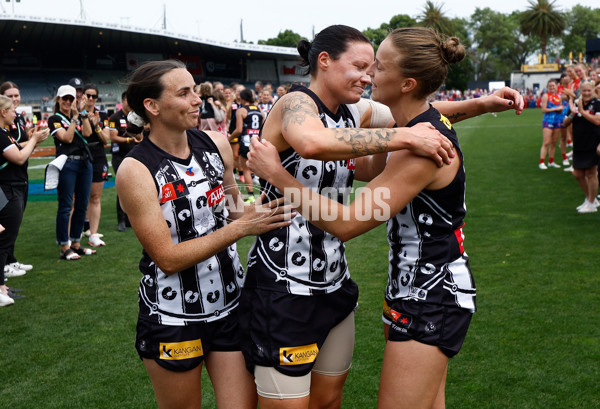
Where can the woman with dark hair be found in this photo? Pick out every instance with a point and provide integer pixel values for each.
(100, 136)
(299, 299)
(13, 187)
(177, 188)
(19, 132)
(75, 178)
(430, 296)
(249, 119)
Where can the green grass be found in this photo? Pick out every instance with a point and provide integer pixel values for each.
(534, 342)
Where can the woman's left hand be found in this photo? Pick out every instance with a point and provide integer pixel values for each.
(263, 158)
(504, 99)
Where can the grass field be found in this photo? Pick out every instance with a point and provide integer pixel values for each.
(534, 342)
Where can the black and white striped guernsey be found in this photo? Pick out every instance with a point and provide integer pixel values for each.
(427, 259)
(191, 197)
(302, 259)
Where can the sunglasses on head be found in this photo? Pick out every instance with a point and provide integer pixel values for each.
(67, 98)
(91, 96)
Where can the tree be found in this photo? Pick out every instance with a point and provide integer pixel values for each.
(433, 16)
(542, 19)
(286, 38)
(583, 23)
(377, 35)
(499, 45)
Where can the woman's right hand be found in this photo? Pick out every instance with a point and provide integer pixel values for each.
(260, 218)
(430, 143)
(263, 159)
(39, 134)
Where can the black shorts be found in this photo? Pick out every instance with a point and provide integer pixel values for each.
(182, 348)
(286, 331)
(244, 146)
(431, 324)
(100, 170)
(585, 159)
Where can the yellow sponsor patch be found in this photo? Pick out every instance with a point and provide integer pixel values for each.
(57, 125)
(445, 121)
(112, 124)
(174, 351)
(298, 355)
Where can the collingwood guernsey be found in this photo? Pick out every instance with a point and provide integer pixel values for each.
(302, 259)
(428, 262)
(192, 201)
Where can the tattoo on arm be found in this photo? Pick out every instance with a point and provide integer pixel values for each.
(298, 108)
(457, 116)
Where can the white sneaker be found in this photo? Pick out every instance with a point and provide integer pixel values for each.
(585, 202)
(570, 155)
(255, 180)
(569, 169)
(95, 240)
(543, 166)
(5, 300)
(21, 266)
(566, 162)
(588, 208)
(10, 271)
(553, 165)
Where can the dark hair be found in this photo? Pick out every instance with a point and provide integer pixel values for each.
(425, 56)
(6, 86)
(247, 95)
(334, 40)
(145, 82)
(91, 86)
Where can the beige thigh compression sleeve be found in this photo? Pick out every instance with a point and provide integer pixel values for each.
(335, 358)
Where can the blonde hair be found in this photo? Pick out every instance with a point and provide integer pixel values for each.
(5, 102)
(425, 56)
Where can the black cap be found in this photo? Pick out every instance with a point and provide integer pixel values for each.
(76, 83)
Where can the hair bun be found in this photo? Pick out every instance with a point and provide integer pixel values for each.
(303, 48)
(452, 50)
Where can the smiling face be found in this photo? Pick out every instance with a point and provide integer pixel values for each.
(177, 107)
(90, 96)
(347, 76)
(8, 115)
(587, 91)
(552, 87)
(66, 103)
(385, 74)
(15, 95)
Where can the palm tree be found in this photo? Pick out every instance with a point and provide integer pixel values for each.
(433, 17)
(542, 19)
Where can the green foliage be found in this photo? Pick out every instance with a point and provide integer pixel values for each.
(286, 38)
(543, 20)
(584, 24)
(500, 46)
(433, 16)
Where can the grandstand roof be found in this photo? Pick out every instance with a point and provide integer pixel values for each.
(60, 36)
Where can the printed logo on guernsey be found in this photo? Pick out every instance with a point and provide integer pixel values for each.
(445, 121)
(174, 190)
(298, 355)
(215, 195)
(176, 351)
